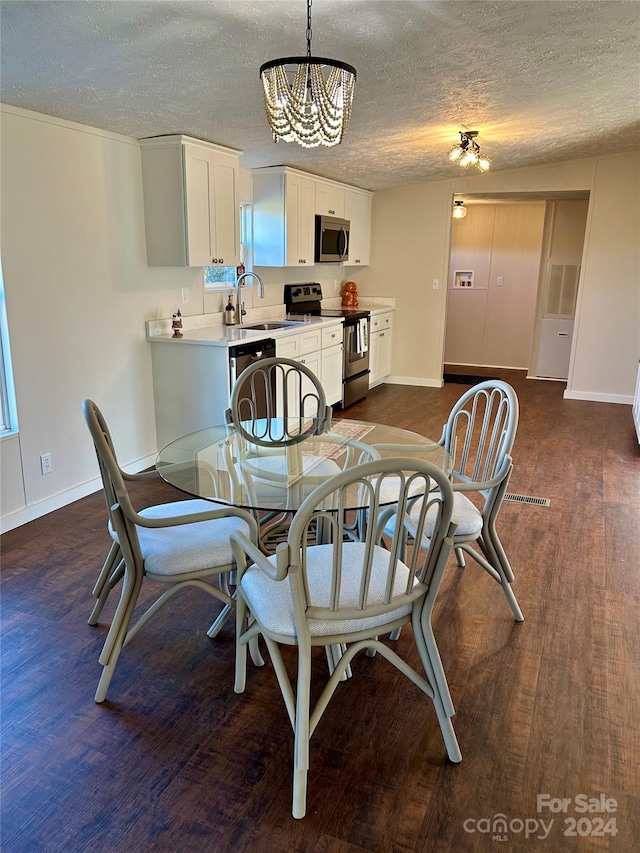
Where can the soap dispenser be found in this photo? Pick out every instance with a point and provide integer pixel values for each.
(230, 313)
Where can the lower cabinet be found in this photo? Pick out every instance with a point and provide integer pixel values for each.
(380, 347)
(321, 351)
(191, 388)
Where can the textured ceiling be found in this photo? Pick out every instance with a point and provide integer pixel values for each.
(542, 81)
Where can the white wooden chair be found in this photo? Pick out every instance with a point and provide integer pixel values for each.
(179, 544)
(345, 594)
(479, 435)
(277, 403)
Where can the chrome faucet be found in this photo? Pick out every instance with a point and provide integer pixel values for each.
(240, 310)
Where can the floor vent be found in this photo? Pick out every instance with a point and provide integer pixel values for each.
(527, 499)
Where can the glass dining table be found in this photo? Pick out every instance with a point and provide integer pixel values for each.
(251, 467)
(223, 464)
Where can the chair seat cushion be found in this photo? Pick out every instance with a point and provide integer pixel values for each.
(465, 513)
(271, 602)
(187, 547)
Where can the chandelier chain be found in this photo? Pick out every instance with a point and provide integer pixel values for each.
(309, 27)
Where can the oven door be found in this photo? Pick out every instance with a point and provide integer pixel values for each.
(356, 347)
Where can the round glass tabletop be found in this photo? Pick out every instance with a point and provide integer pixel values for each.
(221, 464)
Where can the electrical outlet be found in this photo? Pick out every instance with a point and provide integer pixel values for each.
(46, 463)
(435, 283)
(185, 295)
(500, 281)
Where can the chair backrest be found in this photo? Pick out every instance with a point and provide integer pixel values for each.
(480, 432)
(367, 579)
(277, 402)
(110, 471)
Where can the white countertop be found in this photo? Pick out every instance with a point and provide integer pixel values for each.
(208, 329)
(224, 336)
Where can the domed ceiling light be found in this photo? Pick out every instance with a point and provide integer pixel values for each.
(467, 152)
(308, 98)
(459, 210)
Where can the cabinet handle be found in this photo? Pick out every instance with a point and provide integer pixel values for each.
(357, 261)
(332, 211)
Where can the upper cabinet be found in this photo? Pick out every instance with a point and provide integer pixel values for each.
(283, 217)
(285, 203)
(357, 209)
(191, 202)
(330, 199)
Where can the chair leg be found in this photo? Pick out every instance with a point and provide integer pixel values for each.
(118, 632)
(116, 576)
(113, 558)
(497, 557)
(301, 747)
(111, 573)
(460, 557)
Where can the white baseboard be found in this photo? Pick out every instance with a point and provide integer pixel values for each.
(37, 510)
(594, 397)
(414, 380)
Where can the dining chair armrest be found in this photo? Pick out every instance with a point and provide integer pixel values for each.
(151, 474)
(186, 518)
(243, 547)
(463, 485)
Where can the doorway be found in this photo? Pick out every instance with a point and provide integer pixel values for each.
(514, 269)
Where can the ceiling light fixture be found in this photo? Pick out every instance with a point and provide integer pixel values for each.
(459, 210)
(467, 152)
(302, 106)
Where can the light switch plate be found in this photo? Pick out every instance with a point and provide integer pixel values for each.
(435, 283)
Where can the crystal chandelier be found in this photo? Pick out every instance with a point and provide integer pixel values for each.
(467, 152)
(302, 104)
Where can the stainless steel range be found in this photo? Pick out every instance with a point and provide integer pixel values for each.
(306, 298)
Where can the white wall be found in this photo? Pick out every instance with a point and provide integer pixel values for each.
(410, 246)
(78, 291)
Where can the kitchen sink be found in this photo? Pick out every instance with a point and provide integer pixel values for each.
(269, 326)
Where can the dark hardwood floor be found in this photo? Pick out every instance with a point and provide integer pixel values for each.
(175, 761)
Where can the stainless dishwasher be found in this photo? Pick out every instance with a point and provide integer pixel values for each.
(243, 355)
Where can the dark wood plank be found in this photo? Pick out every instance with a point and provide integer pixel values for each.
(175, 760)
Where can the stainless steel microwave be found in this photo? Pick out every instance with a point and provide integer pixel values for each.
(332, 240)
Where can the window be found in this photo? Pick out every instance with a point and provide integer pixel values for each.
(8, 414)
(222, 278)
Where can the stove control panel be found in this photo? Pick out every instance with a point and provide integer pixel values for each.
(306, 292)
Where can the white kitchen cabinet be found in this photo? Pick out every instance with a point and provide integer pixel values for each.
(320, 349)
(358, 211)
(190, 202)
(330, 199)
(283, 217)
(191, 388)
(380, 347)
(332, 373)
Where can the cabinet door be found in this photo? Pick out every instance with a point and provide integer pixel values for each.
(330, 200)
(226, 222)
(313, 361)
(299, 214)
(384, 354)
(358, 212)
(332, 373)
(212, 210)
